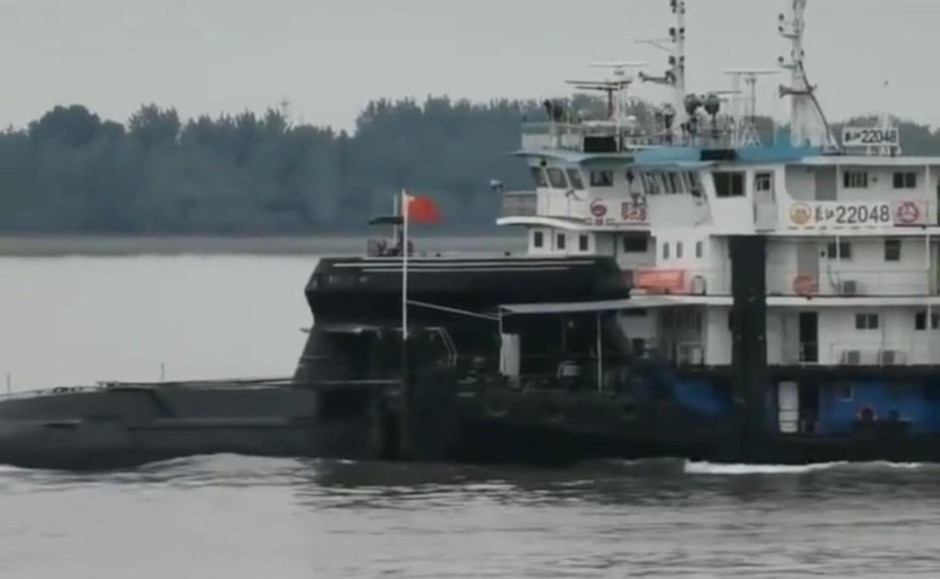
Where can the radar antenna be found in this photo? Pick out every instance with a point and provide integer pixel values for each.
(615, 86)
(744, 106)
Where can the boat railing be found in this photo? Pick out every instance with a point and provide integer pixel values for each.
(105, 386)
(608, 137)
(916, 351)
(519, 204)
(846, 281)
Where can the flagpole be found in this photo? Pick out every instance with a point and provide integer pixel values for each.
(404, 268)
(396, 211)
(406, 421)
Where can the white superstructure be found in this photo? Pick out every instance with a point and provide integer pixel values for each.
(853, 244)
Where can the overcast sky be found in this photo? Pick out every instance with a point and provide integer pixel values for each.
(328, 58)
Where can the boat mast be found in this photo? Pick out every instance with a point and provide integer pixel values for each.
(808, 126)
(675, 75)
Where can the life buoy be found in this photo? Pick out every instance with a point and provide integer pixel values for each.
(867, 414)
(805, 285)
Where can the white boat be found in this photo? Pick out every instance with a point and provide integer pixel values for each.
(836, 241)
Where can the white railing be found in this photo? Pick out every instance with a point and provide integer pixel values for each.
(923, 351)
(519, 204)
(571, 136)
(889, 353)
(850, 282)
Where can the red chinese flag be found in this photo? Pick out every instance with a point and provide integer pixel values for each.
(421, 210)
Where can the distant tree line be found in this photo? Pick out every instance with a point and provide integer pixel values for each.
(73, 172)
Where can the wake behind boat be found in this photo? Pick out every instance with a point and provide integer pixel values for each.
(687, 291)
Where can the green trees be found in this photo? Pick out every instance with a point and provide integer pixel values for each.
(73, 172)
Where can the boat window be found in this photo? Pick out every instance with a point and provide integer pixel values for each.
(695, 187)
(842, 250)
(583, 243)
(920, 321)
(634, 244)
(650, 184)
(538, 239)
(905, 180)
(699, 249)
(602, 178)
(577, 182)
(666, 250)
(560, 241)
(675, 185)
(662, 182)
(729, 183)
(557, 178)
(538, 175)
(763, 182)
(678, 250)
(892, 250)
(855, 180)
(866, 321)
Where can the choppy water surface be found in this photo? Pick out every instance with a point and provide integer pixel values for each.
(74, 320)
(235, 517)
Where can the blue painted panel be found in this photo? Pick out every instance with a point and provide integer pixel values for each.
(703, 396)
(666, 155)
(776, 154)
(838, 415)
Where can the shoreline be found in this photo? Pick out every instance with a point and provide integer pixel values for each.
(100, 245)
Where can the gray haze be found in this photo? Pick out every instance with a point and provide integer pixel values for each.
(328, 58)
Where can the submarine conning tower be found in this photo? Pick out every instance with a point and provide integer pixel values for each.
(358, 294)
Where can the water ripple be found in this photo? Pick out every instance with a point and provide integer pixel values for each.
(239, 517)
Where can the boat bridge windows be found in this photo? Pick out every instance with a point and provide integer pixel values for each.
(603, 178)
(670, 182)
(729, 183)
(563, 179)
(574, 176)
(556, 178)
(539, 177)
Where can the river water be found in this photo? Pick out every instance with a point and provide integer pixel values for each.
(74, 320)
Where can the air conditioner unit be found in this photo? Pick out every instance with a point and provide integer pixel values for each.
(849, 287)
(699, 286)
(851, 357)
(890, 357)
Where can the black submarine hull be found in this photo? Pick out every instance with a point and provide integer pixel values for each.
(117, 427)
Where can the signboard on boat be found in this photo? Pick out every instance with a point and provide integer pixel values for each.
(840, 215)
(617, 212)
(870, 137)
